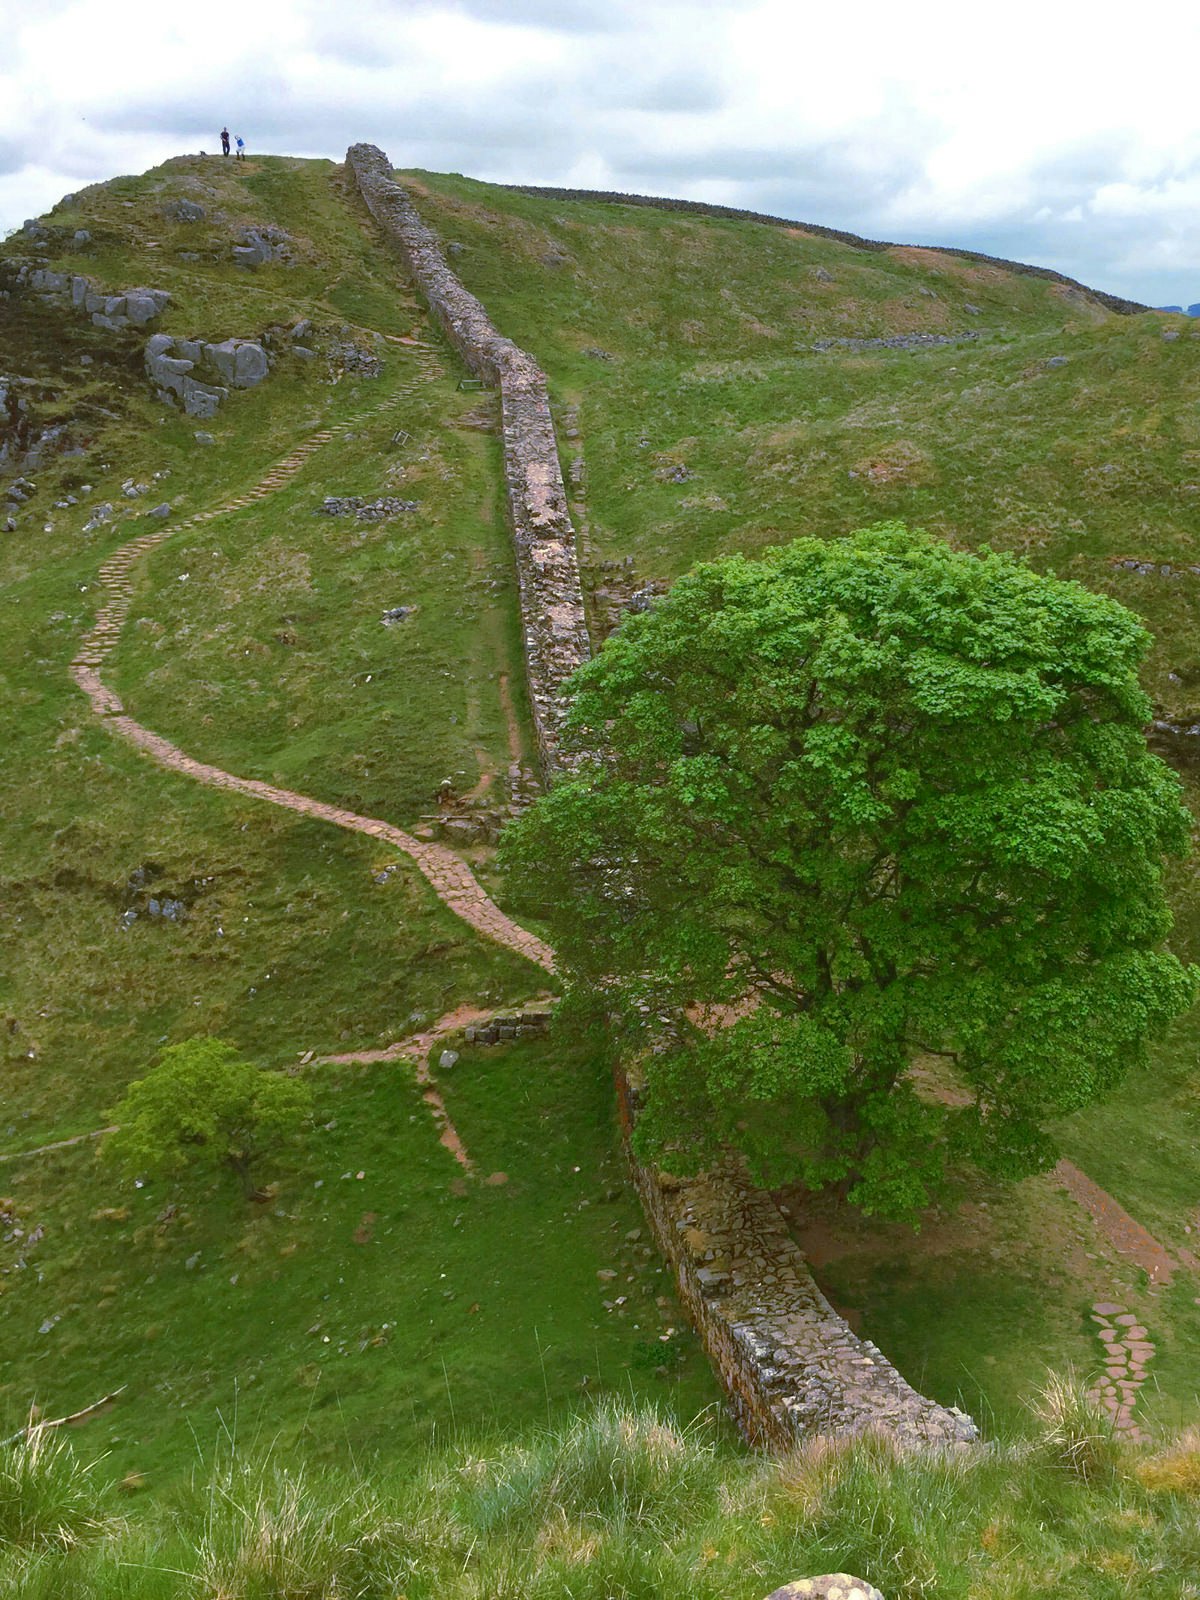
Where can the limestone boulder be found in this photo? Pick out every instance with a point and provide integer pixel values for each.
(241, 363)
(143, 305)
(202, 399)
(184, 211)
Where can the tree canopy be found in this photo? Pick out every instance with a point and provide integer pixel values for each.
(867, 867)
(203, 1107)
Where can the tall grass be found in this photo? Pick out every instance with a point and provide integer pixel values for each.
(49, 1497)
(622, 1505)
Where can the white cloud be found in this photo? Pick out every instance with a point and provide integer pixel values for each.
(1026, 130)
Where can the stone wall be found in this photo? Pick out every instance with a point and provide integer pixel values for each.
(507, 1026)
(556, 638)
(792, 1367)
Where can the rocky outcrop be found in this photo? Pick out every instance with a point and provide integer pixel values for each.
(131, 308)
(260, 245)
(184, 370)
(556, 639)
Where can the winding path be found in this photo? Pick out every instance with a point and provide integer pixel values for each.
(458, 889)
(450, 878)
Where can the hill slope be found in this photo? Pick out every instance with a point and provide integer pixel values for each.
(720, 384)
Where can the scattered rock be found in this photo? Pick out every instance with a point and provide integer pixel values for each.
(447, 1059)
(184, 211)
(261, 245)
(396, 614)
(163, 510)
(353, 505)
(242, 364)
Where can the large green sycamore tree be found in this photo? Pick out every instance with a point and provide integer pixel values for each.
(867, 868)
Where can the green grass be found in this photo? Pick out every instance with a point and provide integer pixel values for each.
(269, 659)
(1059, 432)
(355, 1313)
(621, 1503)
(709, 326)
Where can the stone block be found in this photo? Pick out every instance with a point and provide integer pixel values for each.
(250, 366)
(201, 399)
(142, 306)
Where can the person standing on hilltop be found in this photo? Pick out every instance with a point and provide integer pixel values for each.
(224, 141)
(240, 153)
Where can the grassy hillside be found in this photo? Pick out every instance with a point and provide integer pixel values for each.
(710, 421)
(714, 414)
(256, 643)
(620, 1504)
(710, 413)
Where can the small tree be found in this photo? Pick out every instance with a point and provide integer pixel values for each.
(203, 1107)
(865, 806)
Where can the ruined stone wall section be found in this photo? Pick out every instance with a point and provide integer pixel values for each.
(792, 1367)
(556, 637)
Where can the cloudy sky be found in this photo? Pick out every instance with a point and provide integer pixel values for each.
(1032, 129)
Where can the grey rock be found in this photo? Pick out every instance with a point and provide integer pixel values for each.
(303, 352)
(184, 211)
(79, 291)
(191, 349)
(353, 505)
(250, 366)
(221, 356)
(972, 311)
(93, 301)
(143, 305)
(447, 1059)
(163, 510)
(240, 363)
(204, 438)
(201, 399)
(49, 282)
(396, 614)
(82, 236)
(301, 329)
(1057, 361)
(822, 276)
(158, 344)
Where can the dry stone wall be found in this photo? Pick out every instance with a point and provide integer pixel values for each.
(792, 1367)
(556, 638)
